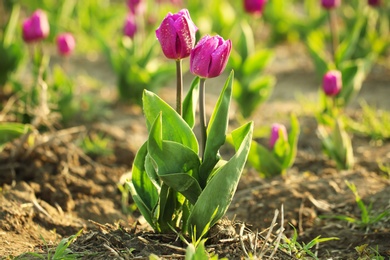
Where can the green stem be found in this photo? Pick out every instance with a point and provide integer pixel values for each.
(179, 86)
(202, 116)
(333, 33)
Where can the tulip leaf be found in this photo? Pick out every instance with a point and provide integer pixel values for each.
(264, 161)
(143, 191)
(316, 46)
(190, 101)
(183, 183)
(293, 137)
(220, 189)
(348, 46)
(10, 131)
(216, 131)
(175, 128)
(256, 62)
(353, 76)
(174, 162)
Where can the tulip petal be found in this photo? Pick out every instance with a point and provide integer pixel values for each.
(219, 59)
(167, 36)
(201, 56)
(186, 36)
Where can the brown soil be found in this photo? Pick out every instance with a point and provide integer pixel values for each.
(54, 190)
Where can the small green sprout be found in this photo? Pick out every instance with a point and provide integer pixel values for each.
(367, 218)
(301, 250)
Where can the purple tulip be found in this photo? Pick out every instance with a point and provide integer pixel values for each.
(36, 27)
(176, 35)
(332, 82)
(374, 2)
(65, 44)
(329, 4)
(275, 129)
(130, 27)
(254, 6)
(209, 57)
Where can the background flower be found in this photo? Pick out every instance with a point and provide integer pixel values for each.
(65, 43)
(332, 82)
(254, 6)
(36, 27)
(130, 26)
(275, 134)
(329, 4)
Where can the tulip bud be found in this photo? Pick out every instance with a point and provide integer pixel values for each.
(209, 57)
(332, 82)
(254, 6)
(275, 129)
(130, 27)
(36, 27)
(135, 6)
(329, 4)
(176, 35)
(65, 44)
(374, 2)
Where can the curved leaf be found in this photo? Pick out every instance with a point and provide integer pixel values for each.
(220, 189)
(216, 131)
(175, 128)
(190, 101)
(144, 193)
(174, 163)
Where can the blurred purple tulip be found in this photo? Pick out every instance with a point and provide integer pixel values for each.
(329, 4)
(332, 82)
(173, 2)
(209, 57)
(36, 27)
(130, 26)
(135, 6)
(254, 6)
(65, 44)
(176, 35)
(275, 134)
(374, 2)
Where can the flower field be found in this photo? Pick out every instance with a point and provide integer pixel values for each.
(147, 129)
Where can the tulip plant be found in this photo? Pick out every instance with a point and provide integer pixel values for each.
(280, 154)
(335, 140)
(134, 58)
(252, 88)
(179, 184)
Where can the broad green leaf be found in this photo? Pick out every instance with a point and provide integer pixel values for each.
(173, 125)
(256, 62)
(216, 131)
(174, 163)
(220, 189)
(144, 193)
(263, 160)
(190, 102)
(246, 43)
(250, 97)
(183, 183)
(10, 131)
